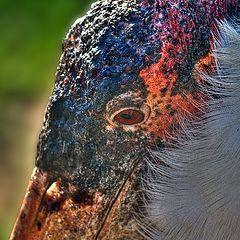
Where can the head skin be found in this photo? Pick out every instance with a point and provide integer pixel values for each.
(123, 54)
(146, 54)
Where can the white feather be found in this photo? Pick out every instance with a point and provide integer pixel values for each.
(196, 195)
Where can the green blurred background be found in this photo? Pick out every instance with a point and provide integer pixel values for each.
(30, 46)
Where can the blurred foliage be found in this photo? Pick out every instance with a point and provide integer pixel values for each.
(30, 46)
(31, 33)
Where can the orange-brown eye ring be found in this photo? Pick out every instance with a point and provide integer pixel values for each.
(129, 117)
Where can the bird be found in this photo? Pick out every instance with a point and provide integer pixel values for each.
(141, 135)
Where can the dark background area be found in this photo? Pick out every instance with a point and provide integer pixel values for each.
(30, 46)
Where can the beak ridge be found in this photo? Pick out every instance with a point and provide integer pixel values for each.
(26, 221)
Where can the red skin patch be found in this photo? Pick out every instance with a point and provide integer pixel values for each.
(167, 109)
(170, 103)
(167, 106)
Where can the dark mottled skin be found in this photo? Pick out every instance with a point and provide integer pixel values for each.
(108, 52)
(106, 63)
(103, 55)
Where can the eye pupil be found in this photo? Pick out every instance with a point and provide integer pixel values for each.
(126, 116)
(129, 117)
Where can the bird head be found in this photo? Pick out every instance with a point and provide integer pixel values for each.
(127, 79)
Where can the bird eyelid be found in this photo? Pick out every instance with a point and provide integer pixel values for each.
(127, 110)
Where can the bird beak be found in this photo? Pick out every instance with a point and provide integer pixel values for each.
(26, 224)
(50, 212)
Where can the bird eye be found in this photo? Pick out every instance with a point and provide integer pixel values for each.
(129, 117)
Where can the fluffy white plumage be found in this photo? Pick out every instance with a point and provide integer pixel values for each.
(196, 196)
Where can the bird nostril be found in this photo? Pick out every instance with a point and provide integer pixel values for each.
(39, 225)
(54, 198)
(54, 205)
(82, 197)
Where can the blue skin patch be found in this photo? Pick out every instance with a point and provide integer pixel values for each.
(101, 52)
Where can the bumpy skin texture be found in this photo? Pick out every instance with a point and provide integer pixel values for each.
(122, 46)
(143, 52)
